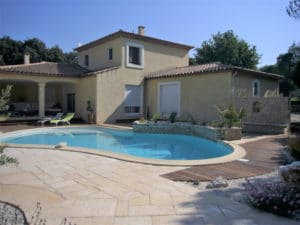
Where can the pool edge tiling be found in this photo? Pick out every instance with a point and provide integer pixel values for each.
(238, 152)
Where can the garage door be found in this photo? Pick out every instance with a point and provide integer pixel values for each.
(169, 98)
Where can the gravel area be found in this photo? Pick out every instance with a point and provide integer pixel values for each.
(11, 215)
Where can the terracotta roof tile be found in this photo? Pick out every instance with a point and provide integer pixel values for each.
(204, 68)
(52, 69)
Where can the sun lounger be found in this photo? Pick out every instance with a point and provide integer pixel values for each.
(66, 119)
(58, 116)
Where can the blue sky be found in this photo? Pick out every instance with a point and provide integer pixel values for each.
(262, 23)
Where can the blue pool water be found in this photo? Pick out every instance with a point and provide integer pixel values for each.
(156, 146)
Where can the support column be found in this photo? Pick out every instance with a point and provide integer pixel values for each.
(41, 99)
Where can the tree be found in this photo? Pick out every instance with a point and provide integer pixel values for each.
(71, 57)
(296, 74)
(227, 48)
(11, 52)
(36, 48)
(55, 54)
(293, 9)
(286, 66)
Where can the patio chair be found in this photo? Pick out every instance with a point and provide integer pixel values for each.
(66, 119)
(58, 116)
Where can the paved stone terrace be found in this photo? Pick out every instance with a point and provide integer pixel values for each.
(264, 157)
(94, 190)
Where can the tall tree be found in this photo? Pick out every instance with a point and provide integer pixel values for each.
(36, 48)
(296, 74)
(293, 9)
(286, 65)
(55, 54)
(227, 48)
(71, 57)
(12, 51)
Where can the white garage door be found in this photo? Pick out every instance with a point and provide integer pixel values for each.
(169, 98)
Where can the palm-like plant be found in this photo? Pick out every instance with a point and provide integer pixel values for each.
(231, 116)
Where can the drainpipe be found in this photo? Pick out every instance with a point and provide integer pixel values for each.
(233, 75)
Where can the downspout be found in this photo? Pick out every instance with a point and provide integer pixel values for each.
(233, 75)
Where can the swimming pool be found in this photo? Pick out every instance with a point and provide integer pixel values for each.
(125, 142)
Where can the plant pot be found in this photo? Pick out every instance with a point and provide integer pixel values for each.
(230, 134)
(91, 118)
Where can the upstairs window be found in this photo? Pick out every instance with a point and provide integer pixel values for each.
(135, 55)
(86, 60)
(109, 54)
(255, 88)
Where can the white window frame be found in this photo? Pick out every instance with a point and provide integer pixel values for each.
(179, 95)
(258, 88)
(141, 47)
(141, 102)
(107, 54)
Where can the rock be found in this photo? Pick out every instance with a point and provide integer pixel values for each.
(291, 172)
(61, 145)
(219, 182)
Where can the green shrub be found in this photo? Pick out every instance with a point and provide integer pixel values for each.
(230, 116)
(172, 117)
(4, 159)
(155, 117)
(4, 97)
(191, 120)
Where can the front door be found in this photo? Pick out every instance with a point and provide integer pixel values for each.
(70, 102)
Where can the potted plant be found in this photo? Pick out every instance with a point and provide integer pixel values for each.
(232, 121)
(91, 114)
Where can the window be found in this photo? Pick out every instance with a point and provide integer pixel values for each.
(134, 55)
(109, 54)
(133, 99)
(86, 60)
(255, 88)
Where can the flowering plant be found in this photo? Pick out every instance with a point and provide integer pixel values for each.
(277, 197)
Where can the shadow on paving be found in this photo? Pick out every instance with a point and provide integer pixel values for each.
(227, 207)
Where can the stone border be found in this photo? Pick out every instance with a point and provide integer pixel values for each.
(212, 133)
(238, 152)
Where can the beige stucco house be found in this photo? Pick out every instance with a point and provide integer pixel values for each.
(127, 76)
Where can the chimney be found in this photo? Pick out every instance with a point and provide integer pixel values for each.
(26, 58)
(141, 30)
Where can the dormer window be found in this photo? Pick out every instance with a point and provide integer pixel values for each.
(86, 60)
(135, 55)
(109, 54)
